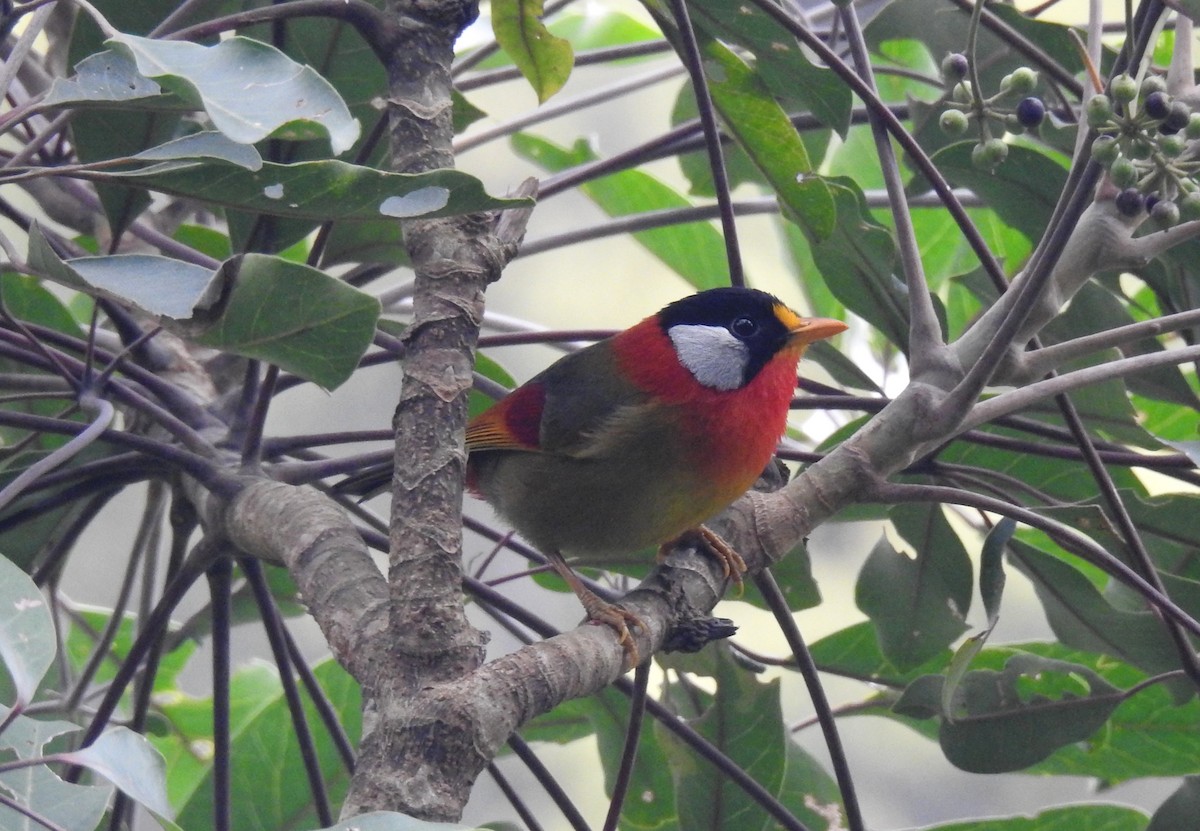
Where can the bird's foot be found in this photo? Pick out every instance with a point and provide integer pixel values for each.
(619, 619)
(705, 539)
(598, 610)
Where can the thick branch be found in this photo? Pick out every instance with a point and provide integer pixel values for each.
(302, 529)
(429, 640)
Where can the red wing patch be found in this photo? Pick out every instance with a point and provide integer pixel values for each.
(513, 423)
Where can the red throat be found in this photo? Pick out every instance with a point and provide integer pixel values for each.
(734, 433)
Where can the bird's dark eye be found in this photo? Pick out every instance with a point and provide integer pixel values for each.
(743, 327)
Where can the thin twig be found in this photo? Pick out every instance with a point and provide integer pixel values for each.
(689, 49)
(1066, 536)
(1021, 398)
(633, 734)
(926, 349)
(765, 581)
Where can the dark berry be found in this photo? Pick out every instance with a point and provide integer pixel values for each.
(955, 66)
(1157, 105)
(1152, 84)
(1178, 115)
(1150, 201)
(1129, 202)
(1030, 112)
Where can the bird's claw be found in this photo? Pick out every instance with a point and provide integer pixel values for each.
(619, 619)
(732, 564)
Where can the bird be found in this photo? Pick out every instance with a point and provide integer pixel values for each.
(635, 441)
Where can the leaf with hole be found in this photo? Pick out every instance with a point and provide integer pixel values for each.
(131, 763)
(27, 644)
(320, 191)
(39, 790)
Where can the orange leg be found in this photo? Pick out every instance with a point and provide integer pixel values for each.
(706, 540)
(601, 611)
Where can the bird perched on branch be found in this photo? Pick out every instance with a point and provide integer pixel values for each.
(637, 440)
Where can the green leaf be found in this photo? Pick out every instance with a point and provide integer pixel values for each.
(745, 721)
(160, 286)
(764, 131)
(262, 740)
(477, 402)
(131, 763)
(779, 61)
(654, 805)
(259, 306)
(918, 604)
(809, 792)
(319, 190)
(465, 113)
(1068, 818)
(27, 300)
(39, 789)
(100, 135)
(110, 79)
(796, 581)
(545, 60)
(840, 366)
(991, 568)
(693, 250)
(1180, 810)
(695, 164)
(204, 145)
(599, 27)
(854, 651)
(1022, 191)
(856, 262)
(1066, 480)
(1148, 734)
(27, 644)
(1080, 616)
(249, 89)
(81, 640)
(957, 671)
(296, 317)
(1009, 720)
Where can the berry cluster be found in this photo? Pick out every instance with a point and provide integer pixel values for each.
(992, 113)
(1144, 143)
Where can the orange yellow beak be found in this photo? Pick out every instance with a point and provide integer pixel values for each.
(805, 330)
